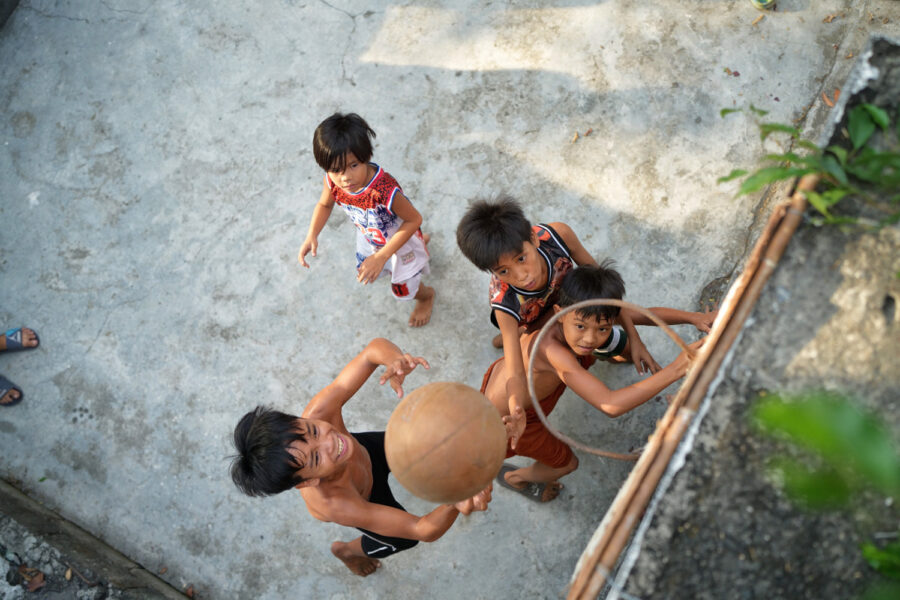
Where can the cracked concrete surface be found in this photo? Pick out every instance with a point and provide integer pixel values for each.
(156, 181)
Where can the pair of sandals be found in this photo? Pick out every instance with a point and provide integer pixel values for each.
(14, 343)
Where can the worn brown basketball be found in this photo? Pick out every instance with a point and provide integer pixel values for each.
(445, 442)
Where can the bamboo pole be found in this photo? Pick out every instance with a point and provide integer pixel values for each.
(635, 494)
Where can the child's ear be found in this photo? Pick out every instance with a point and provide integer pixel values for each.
(308, 483)
(556, 309)
(534, 238)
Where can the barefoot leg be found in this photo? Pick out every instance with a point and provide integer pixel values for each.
(352, 555)
(421, 314)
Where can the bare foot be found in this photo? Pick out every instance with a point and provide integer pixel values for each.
(358, 563)
(497, 342)
(540, 492)
(421, 314)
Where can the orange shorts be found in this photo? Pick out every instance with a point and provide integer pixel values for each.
(537, 442)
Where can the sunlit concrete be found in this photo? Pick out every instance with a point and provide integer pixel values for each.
(156, 182)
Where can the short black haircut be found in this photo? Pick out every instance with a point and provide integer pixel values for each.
(339, 134)
(589, 283)
(490, 229)
(263, 466)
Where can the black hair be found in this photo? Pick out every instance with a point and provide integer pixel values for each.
(589, 283)
(490, 229)
(339, 134)
(263, 466)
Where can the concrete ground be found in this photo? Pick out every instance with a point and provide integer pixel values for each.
(156, 181)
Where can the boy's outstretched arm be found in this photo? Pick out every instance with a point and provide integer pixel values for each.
(517, 378)
(327, 404)
(393, 522)
(614, 402)
(703, 321)
(319, 217)
(372, 266)
(640, 356)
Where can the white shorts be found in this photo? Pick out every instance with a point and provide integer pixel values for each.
(406, 266)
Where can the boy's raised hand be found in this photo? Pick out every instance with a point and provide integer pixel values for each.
(310, 245)
(682, 362)
(478, 502)
(515, 426)
(704, 321)
(397, 370)
(371, 268)
(642, 359)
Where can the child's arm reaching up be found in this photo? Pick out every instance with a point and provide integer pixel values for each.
(614, 402)
(316, 223)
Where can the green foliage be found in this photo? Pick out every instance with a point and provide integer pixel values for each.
(843, 172)
(852, 444)
(850, 451)
(884, 560)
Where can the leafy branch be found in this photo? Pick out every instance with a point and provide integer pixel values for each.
(850, 451)
(843, 172)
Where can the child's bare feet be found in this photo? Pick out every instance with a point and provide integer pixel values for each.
(356, 561)
(421, 314)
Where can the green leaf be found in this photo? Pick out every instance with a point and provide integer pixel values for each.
(861, 127)
(766, 128)
(833, 168)
(881, 168)
(884, 560)
(818, 203)
(878, 115)
(809, 146)
(728, 111)
(811, 161)
(815, 488)
(840, 153)
(733, 175)
(768, 175)
(850, 441)
(759, 111)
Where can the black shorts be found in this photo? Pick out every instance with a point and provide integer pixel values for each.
(376, 545)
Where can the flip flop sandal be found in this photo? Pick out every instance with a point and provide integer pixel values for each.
(532, 491)
(14, 340)
(5, 386)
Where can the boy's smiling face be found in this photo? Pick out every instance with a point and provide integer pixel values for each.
(353, 177)
(525, 269)
(323, 453)
(583, 333)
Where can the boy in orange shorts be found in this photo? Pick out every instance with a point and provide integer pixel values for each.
(572, 345)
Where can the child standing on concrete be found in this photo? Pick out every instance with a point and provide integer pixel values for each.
(389, 238)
